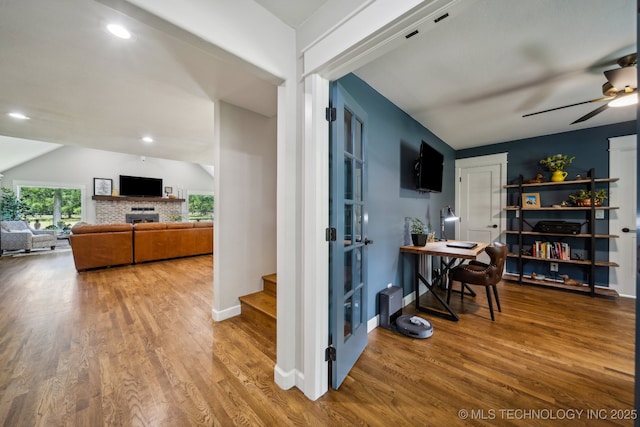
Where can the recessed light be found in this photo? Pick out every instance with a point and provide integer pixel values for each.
(147, 139)
(18, 116)
(119, 31)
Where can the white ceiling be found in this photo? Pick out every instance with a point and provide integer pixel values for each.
(82, 86)
(292, 13)
(469, 79)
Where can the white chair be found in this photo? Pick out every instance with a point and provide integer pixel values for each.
(17, 235)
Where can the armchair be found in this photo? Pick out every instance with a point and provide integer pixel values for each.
(17, 235)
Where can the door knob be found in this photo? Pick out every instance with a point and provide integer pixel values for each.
(494, 226)
(627, 230)
(367, 241)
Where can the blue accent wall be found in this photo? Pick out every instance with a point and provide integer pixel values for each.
(590, 146)
(591, 150)
(393, 145)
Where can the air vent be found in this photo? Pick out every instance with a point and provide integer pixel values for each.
(411, 34)
(440, 18)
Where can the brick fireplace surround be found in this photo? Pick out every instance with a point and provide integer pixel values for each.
(115, 209)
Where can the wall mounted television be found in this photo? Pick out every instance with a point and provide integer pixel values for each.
(139, 186)
(428, 169)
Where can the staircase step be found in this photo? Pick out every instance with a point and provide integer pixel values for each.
(259, 308)
(269, 283)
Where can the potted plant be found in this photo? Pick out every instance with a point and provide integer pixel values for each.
(557, 164)
(418, 232)
(583, 197)
(11, 208)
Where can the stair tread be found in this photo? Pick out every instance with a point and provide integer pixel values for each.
(261, 301)
(270, 278)
(269, 284)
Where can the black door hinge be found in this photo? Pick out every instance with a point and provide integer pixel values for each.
(331, 234)
(330, 354)
(331, 114)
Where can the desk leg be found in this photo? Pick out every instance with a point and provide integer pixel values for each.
(449, 315)
(448, 265)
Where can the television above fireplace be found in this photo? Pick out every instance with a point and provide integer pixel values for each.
(140, 186)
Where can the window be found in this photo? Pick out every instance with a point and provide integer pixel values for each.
(200, 207)
(52, 207)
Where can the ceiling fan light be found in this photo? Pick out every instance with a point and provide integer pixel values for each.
(623, 101)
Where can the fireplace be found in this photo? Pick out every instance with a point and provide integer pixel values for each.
(116, 209)
(135, 218)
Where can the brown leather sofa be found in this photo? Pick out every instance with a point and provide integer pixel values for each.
(157, 240)
(101, 245)
(105, 245)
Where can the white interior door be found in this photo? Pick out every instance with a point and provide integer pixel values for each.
(622, 222)
(480, 197)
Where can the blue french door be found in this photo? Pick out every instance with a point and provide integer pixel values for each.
(348, 216)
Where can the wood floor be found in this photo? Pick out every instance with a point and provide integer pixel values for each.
(136, 346)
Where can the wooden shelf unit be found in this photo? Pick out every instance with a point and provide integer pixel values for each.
(549, 283)
(539, 233)
(564, 261)
(570, 182)
(589, 238)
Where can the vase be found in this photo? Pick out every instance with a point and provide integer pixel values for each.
(558, 176)
(587, 202)
(419, 239)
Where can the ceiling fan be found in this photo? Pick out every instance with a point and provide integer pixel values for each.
(619, 90)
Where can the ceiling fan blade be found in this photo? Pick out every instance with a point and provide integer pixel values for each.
(606, 98)
(591, 114)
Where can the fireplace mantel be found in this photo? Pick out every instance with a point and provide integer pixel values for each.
(137, 199)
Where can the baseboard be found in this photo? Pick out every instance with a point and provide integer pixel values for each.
(286, 380)
(228, 313)
(627, 296)
(373, 323)
(408, 299)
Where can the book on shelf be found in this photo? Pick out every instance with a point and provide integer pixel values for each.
(551, 250)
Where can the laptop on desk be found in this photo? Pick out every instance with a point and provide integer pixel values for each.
(462, 245)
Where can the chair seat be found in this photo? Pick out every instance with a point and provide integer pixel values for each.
(470, 273)
(478, 273)
(17, 235)
(41, 238)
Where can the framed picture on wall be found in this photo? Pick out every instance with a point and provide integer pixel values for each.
(102, 186)
(530, 200)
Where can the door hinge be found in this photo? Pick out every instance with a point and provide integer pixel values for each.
(331, 114)
(330, 354)
(331, 234)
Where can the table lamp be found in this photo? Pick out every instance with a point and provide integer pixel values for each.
(446, 214)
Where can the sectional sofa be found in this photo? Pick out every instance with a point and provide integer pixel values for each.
(107, 245)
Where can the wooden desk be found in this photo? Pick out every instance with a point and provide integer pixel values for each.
(442, 250)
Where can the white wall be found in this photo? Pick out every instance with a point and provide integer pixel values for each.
(78, 166)
(244, 29)
(245, 238)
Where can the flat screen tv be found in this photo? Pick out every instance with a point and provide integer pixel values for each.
(428, 169)
(139, 186)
